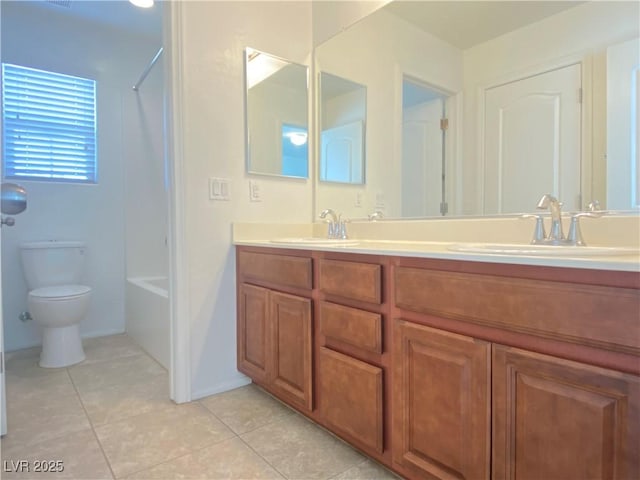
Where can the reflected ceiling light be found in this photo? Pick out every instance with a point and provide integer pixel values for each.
(297, 138)
(261, 66)
(142, 3)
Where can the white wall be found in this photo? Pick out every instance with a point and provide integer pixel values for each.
(376, 53)
(582, 32)
(92, 213)
(145, 181)
(212, 36)
(332, 17)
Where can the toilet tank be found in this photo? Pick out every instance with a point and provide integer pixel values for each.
(52, 262)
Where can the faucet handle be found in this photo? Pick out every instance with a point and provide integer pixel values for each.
(539, 233)
(341, 231)
(575, 234)
(377, 215)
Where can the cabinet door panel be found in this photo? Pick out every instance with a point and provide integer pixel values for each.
(441, 403)
(291, 348)
(350, 397)
(553, 418)
(253, 332)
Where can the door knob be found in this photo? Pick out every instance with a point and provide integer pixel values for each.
(8, 221)
(13, 199)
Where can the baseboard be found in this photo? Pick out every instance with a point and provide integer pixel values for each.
(237, 382)
(38, 343)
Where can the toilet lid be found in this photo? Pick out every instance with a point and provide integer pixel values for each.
(58, 291)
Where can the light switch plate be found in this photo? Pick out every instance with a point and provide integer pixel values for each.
(358, 202)
(255, 194)
(219, 189)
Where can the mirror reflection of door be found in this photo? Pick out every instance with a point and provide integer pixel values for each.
(532, 141)
(423, 150)
(342, 153)
(343, 111)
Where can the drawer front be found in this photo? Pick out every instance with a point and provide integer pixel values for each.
(279, 269)
(593, 315)
(358, 281)
(352, 326)
(350, 397)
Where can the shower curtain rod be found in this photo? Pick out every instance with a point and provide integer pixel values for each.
(148, 69)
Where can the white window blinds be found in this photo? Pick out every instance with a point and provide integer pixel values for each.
(49, 125)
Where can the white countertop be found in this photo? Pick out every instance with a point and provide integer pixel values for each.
(432, 239)
(440, 250)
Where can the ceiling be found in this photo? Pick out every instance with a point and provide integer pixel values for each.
(115, 13)
(464, 24)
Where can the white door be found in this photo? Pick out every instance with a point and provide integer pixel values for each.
(341, 158)
(623, 117)
(422, 159)
(532, 141)
(3, 418)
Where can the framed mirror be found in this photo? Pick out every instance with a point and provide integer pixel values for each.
(535, 97)
(343, 113)
(277, 126)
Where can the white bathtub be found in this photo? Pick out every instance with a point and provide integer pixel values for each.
(147, 310)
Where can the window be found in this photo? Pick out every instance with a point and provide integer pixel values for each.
(49, 126)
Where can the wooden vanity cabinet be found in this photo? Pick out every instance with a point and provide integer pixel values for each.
(441, 398)
(275, 329)
(350, 371)
(509, 372)
(444, 369)
(554, 418)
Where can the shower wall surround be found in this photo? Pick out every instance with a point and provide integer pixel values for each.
(91, 213)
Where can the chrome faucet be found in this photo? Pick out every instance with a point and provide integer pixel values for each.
(337, 227)
(556, 236)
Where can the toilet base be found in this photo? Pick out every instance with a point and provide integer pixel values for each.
(61, 347)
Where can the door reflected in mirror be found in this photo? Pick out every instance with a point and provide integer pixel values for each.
(343, 110)
(276, 116)
(424, 130)
(542, 98)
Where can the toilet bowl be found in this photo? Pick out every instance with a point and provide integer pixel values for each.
(56, 301)
(59, 310)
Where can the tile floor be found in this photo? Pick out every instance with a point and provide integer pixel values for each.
(111, 417)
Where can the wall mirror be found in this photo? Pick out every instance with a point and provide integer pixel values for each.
(276, 105)
(477, 108)
(343, 113)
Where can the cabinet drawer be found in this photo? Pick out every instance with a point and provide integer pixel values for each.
(350, 397)
(358, 281)
(279, 269)
(594, 315)
(352, 326)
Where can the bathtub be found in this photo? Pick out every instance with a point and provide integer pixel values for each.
(147, 315)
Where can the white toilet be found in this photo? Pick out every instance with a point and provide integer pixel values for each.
(56, 301)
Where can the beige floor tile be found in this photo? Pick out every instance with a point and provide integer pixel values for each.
(33, 352)
(39, 418)
(34, 382)
(367, 470)
(111, 403)
(118, 371)
(79, 454)
(246, 408)
(300, 450)
(230, 459)
(141, 442)
(108, 348)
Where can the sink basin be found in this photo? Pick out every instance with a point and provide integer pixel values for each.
(542, 250)
(316, 241)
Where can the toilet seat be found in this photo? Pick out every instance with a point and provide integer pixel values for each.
(59, 292)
